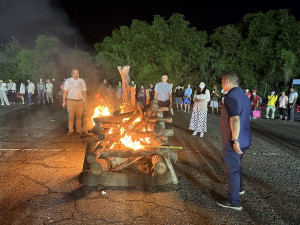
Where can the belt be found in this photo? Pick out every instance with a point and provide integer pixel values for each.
(75, 99)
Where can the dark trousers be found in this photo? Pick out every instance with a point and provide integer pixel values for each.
(12, 96)
(164, 104)
(234, 173)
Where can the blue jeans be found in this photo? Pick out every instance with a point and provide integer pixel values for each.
(292, 112)
(234, 173)
(30, 98)
(41, 96)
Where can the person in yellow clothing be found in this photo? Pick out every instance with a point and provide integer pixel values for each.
(272, 98)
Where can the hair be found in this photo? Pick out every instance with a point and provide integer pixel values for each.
(164, 74)
(198, 91)
(232, 76)
(74, 69)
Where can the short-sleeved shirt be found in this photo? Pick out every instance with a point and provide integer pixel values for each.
(163, 91)
(75, 88)
(188, 92)
(49, 87)
(41, 86)
(283, 101)
(236, 103)
(215, 95)
(292, 97)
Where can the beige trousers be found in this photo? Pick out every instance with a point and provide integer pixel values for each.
(74, 108)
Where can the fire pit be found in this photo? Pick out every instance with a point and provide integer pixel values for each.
(129, 148)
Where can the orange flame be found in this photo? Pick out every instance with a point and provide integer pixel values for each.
(127, 141)
(101, 111)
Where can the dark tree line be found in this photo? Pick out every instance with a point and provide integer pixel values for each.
(264, 48)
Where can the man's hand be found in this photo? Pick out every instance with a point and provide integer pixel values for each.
(236, 147)
(170, 106)
(63, 104)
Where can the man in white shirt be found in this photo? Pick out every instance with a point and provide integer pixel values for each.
(292, 102)
(12, 91)
(49, 91)
(75, 93)
(31, 88)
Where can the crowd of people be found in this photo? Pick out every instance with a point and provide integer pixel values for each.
(42, 91)
(285, 104)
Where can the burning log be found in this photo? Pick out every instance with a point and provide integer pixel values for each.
(140, 125)
(160, 119)
(158, 165)
(100, 165)
(117, 118)
(147, 151)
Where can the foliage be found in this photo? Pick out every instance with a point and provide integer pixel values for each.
(165, 46)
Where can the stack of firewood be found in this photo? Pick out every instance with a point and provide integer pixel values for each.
(108, 162)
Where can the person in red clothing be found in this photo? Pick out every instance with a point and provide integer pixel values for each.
(254, 102)
(248, 93)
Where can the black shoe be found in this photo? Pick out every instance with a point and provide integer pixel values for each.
(228, 204)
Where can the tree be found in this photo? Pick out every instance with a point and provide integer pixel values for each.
(9, 60)
(169, 46)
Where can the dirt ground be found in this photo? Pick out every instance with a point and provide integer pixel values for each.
(39, 166)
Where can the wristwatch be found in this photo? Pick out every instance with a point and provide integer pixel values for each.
(234, 141)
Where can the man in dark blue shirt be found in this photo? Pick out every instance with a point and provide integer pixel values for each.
(236, 136)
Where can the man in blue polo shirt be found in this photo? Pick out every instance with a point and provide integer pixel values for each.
(236, 136)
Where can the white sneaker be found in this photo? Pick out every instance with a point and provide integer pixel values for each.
(2, 104)
(201, 134)
(195, 133)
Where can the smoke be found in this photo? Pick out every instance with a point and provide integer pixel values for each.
(26, 19)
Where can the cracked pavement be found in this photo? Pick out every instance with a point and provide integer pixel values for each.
(39, 166)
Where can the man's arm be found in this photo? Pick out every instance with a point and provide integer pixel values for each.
(84, 95)
(155, 95)
(64, 98)
(170, 98)
(235, 131)
(294, 103)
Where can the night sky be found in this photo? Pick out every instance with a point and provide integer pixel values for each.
(90, 20)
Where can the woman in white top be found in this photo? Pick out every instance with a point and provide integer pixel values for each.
(22, 92)
(199, 115)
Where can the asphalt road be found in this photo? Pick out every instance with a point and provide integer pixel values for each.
(39, 166)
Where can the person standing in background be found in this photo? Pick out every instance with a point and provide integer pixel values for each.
(75, 94)
(12, 91)
(198, 121)
(254, 102)
(142, 96)
(187, 98)
(49, 91)
(41, 91)
(22, 91)
(292, 102)
(179, 94)
(163, 93)
(272, 98)
(283, 102)
(30, 90)
(248, 93)
(3, 93)
(214, 99)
